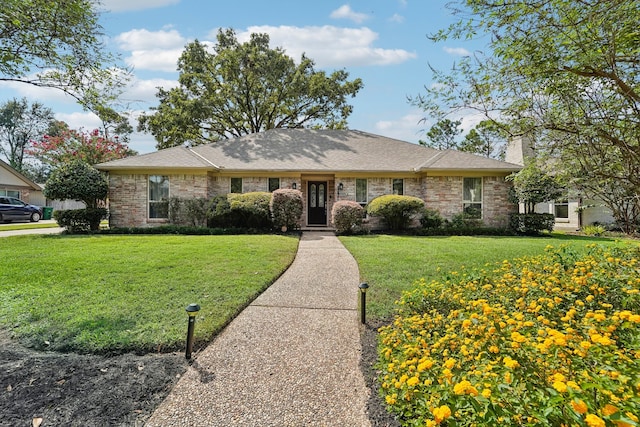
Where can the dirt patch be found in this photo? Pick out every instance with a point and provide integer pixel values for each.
(124, 390)
(82, 390)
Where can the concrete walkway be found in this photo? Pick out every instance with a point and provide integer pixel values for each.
(51, 230)
(289, 359)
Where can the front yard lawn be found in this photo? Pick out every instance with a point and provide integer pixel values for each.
(392, 264)
(112, 294)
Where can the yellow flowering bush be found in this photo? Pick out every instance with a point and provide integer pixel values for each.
(552, 340)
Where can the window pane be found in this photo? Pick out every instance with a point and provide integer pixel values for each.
(472, 190)
(321, 196)
(361, 191)
(561, 210)
(13, 193)
(398, 186)
(158, 196)
(274, 184)
(236, 185)
(312, 195)
(474, 210)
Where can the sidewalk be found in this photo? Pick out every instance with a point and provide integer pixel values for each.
(52, 230)
(289, 359)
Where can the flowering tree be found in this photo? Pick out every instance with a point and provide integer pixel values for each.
(66, 145)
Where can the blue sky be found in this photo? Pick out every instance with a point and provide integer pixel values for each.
(383, 42)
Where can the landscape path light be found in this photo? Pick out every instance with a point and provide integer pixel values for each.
(192, 311)
(363, 302)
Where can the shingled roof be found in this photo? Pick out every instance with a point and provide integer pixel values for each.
(309, 150)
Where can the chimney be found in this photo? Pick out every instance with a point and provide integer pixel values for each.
(519, 148)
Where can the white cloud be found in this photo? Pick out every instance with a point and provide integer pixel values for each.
(86, 120)
(397, 18)
(345, 12)
(331, 46)
(406, 128)
(129, 5)
(145, 90)
(152, 50)
(458, 51)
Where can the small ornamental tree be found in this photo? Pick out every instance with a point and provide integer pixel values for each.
(532, 185)
(70, 144)
(396, 211)
(82, 182)
(286, 208)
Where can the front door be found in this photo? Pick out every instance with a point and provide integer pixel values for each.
(317, 202)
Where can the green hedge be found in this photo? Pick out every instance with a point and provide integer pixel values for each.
(531, 223)
(80, 220)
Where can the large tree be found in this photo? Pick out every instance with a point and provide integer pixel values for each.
(443, 135)
(244, 88)
(58, 44)
(566, 72)
(21, 122)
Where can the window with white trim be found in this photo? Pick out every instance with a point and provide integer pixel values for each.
(472, 197)
(561, 208)
(158, 197)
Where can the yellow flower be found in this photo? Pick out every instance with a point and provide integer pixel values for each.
(494, 349)
(450, 363)
(594, 421)
(486, 393)
(413, 381)
(510, 363)
(441, 413)
(609, 409)
(391, 399)
(465, 387)
(579, 406)
(560, 386)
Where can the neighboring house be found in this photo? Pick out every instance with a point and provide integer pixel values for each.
(571, 212)
(325, 165)
(15, 184)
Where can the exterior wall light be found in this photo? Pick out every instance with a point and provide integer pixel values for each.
(192, 311)
(294, 185)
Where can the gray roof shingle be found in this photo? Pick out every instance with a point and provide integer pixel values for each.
(309, 150)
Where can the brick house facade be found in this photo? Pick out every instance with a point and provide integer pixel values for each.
(349, 159)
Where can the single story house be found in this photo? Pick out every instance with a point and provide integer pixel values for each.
(325, 165)
(15, 184)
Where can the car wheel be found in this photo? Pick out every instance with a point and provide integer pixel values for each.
(35, 217)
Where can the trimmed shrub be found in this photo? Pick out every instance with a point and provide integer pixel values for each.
(396, 211)
(286, 208)
(80, 220)
(431, 218)
(347, 217)
(531, 223)
(240, 210)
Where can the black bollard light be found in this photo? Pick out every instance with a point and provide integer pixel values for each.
(363, 302)
(192, 311)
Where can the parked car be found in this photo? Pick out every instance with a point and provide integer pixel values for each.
(12, 209)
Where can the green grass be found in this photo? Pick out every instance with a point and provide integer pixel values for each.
(392, 264)
(105, 294)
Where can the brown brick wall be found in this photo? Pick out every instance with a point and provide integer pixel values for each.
(128, 198)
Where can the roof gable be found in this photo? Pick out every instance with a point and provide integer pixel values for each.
(9, 175)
